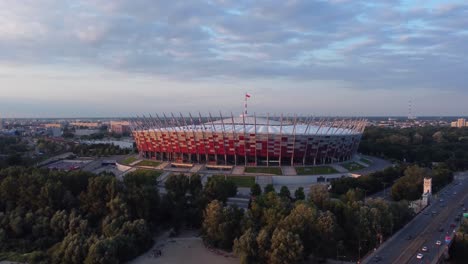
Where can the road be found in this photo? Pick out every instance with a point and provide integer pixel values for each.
(424, 228)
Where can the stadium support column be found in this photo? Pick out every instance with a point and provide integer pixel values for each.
(224, 138)
(195, 138)
(281, 140)
(318, 145)
(174, 122)
(234, 139)
(255, 139)
(268, 139)
(187, 140)
(213, 129)
(245, 140)
(294, 140)
(203, 128)
(307, 140)
(329, 140)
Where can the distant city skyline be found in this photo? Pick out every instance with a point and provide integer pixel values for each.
(126, 58)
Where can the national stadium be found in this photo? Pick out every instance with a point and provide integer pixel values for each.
(247, 140)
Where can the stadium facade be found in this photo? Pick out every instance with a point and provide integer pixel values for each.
(248, 140)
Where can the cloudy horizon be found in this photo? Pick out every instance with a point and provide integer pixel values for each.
(95, 58)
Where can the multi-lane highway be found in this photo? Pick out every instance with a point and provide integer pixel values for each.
(430, 226)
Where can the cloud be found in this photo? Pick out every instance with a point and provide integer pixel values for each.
(360, 44)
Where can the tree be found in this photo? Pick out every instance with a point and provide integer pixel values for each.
(103, 251)
(177, 185)
(221, 225)
(299, 194)
(286, 248)
(245, 247)
(219, 189)
(284, 192)
(301, 221)
(255, 190)
(269, 188)
(319, 195)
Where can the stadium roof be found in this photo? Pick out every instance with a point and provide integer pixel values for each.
(264, 126)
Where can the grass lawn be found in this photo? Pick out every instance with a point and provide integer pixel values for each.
(352, 166)
(129, 160)
(240, 181)
(315, 170)
(366, 161)
(150, 163)
(269, 170)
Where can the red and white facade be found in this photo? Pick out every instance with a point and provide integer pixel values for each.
(248, 140)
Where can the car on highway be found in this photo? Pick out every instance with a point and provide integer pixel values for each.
(409, 237)
(424, 249)
(464, 209)
(377, 258)
(441, 229)
(452, 225)
(419, 256)
(438, 243)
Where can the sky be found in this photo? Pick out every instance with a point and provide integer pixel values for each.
(99, 58)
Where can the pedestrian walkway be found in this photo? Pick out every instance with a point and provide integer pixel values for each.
(237, 170)
(264, 180)
(289, 170)
(196, 168)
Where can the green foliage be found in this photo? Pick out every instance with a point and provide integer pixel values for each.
(219, 189)
(410, 186)
(286, 248)
(100, 149)
(315, 170)
(371, 183)
(255, 190)
(284, 192)
(75, 217)
(421, 145)
(266, 170)
(129, 160)
(299, 194)
(352, 166)
(221, 225)
(149, 163)
(269, 188)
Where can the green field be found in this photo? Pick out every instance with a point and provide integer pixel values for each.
(352, 166)
(149, 163)
(129, 160)
(366, 161)
(315, 170)
(240, 181)
(268, 170)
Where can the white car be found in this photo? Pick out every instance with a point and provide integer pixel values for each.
(424, 249)
(438, 243)
(419, 256)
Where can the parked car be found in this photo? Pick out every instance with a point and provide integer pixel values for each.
(419, 256)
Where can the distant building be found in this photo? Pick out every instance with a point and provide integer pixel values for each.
(51, 125)
(85, 124)
(54, 131)
(461, 122)
(120, 127)
(1, 124)
(86, 132)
